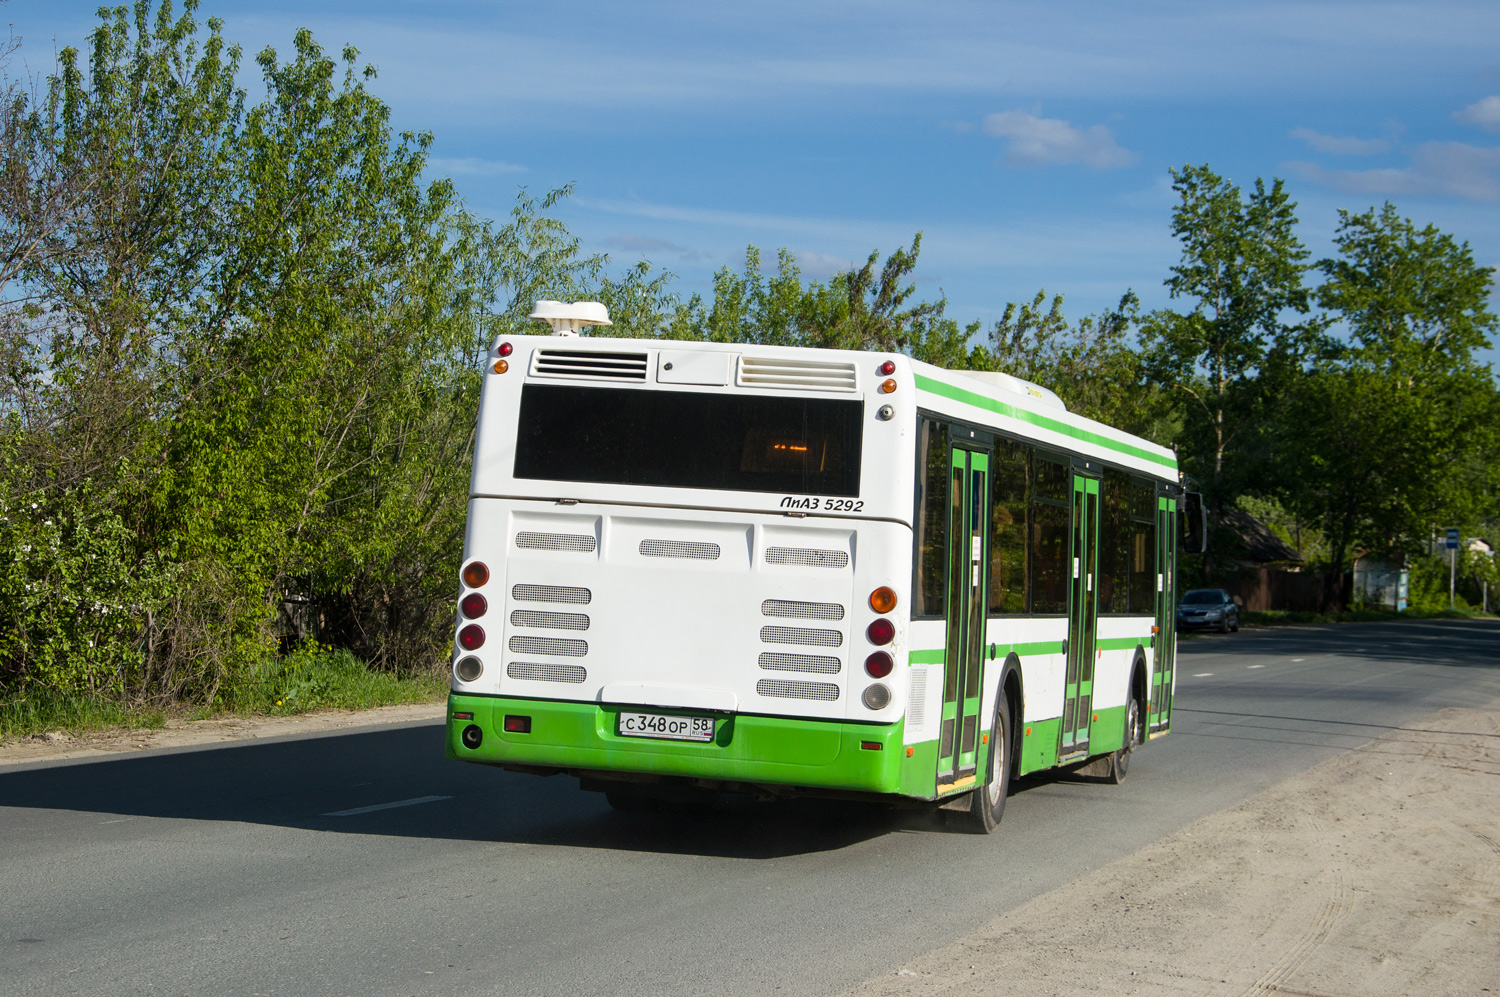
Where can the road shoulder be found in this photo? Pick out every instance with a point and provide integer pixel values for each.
(1376, 872)
(59, 746)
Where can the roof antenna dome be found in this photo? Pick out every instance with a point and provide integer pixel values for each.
(569, 320)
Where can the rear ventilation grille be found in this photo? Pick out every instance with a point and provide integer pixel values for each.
(582, 543)
(536, 671)
(552, 593)
(802, 610)
(550, 621)
(800, 635)
(818, 375)
(679, 548)
(916, 710)
(818, 664)
(590, 364)
(807, 558)
(562, 647)
(788, 689)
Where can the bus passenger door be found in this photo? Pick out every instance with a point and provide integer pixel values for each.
(960, 752)
(1159, 710)
(1078, 689)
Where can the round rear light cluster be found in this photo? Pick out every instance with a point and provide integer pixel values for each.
(505, 349)
(468, 669)
(473, 606)
(883, 599)
(877, 696)
(879, 665)
(880, 632)
(889, 367)
(475, 574)
(471, 637)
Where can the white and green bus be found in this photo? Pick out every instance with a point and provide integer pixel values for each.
(694, 568)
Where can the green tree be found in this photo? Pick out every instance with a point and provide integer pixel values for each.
(1243, 266)
(1394, 432)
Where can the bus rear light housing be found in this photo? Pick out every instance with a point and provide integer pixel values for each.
(473, 606)
(880, 632)
(468, 669)
(501, 366)
(883, 599)
(476, 574)
(877, 696)
(879, 665)
(471, 637)
(887, 368)
(517, 724)
(505, 349)
(888, 385)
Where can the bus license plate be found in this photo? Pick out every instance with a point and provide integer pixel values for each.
(670, 728)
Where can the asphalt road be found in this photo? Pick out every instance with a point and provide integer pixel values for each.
(263, 869)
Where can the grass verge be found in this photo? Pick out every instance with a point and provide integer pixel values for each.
(312, 678)
(1277, 617)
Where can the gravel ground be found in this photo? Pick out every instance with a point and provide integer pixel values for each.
(1377, 872)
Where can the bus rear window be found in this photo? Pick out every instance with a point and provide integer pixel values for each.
(679, 439)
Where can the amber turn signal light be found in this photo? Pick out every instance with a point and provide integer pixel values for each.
(501, 366)
(476, 574)
(888, 385)
(883, 599)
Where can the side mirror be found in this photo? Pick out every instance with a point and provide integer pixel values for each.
(1194, 523)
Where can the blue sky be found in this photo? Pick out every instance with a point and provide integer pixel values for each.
(1029, 142)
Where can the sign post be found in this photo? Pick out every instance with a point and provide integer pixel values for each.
(1452, 544)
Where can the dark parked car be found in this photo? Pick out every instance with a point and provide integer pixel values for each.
(1208, 608)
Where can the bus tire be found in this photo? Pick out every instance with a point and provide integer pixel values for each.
(1119, 764)
(987, 803)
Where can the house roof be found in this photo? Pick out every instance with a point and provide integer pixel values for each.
(1251, 540)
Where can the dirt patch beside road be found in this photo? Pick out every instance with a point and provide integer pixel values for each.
(185, 733)
(1376, 872)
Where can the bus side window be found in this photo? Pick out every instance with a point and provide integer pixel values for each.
(1114, 543)
(1009, 528)
(932, 522)
(1050, 533)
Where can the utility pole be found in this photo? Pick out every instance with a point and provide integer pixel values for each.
(1451, 541)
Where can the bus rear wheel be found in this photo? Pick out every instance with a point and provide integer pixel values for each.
(1119, 764)
(987, 803)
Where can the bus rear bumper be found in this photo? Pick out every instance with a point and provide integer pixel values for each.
(755, 750)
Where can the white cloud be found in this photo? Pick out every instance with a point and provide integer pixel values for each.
(1339, 145)
(472, 167)
(1038, 141)
(1484, 113)
(1442, 169)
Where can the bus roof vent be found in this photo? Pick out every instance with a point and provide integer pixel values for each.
(817, 375)
(570, 320)
(589, 364)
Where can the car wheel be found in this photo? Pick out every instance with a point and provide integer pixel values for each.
(1224, 625)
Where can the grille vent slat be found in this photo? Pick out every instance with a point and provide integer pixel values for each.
(789, 609)
(679, 548)
(790, 689)
(592, 364)
(552, 593)
(819, 375)
(801, 635)
(560, 646)
(807, 558)
(582, 543)
(551, 621)
(916, 710)
(537, 671)
(818, 664)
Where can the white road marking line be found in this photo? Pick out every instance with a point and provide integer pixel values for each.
(1202, 675)
(1257, 666)
(1295, 660)
(387, 806)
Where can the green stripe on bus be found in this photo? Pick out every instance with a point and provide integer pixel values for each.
(1119, 643)
(1045, 422)
(931, 657)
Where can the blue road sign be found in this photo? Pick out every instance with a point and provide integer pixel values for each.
(1452, 543)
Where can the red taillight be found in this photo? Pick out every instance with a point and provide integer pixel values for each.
(879, 665)
(517, 725)
(881, 631)
(473, 606)
(871, 745)
(471, 637)
(476, 574)
(505, 349)
(889, 367)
